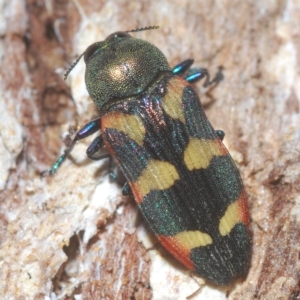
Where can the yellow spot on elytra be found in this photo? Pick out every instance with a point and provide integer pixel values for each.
(172, 101)
(192, 239)
(131, 125)
(158, 175)
(199, 152)
(230, 218)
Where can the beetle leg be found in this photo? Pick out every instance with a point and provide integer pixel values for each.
(112, 175)
(126, 191)
(82, 133)
(96, 145)
(182, 67)
(221, 134)
(197, 74)
(194, 74)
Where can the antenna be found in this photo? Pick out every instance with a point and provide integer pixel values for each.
(143, 29)
(72, 66)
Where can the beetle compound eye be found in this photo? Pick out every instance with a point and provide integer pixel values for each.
(90, 51)
(118, 34)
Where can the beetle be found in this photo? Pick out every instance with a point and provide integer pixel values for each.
(183, 179)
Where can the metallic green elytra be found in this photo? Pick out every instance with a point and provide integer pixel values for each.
(121, 66)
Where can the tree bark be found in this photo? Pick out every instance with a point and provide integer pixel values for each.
(73, 233)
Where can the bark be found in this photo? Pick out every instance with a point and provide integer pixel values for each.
(73, 234)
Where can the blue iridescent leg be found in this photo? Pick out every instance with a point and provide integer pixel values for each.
(84, 132)
(182, 67)
(126, 190)
(96, 145)
(221, 134)
(112, 175)
(198, 74)
(195, 74)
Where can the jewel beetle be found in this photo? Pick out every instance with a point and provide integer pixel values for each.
(183, 179)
